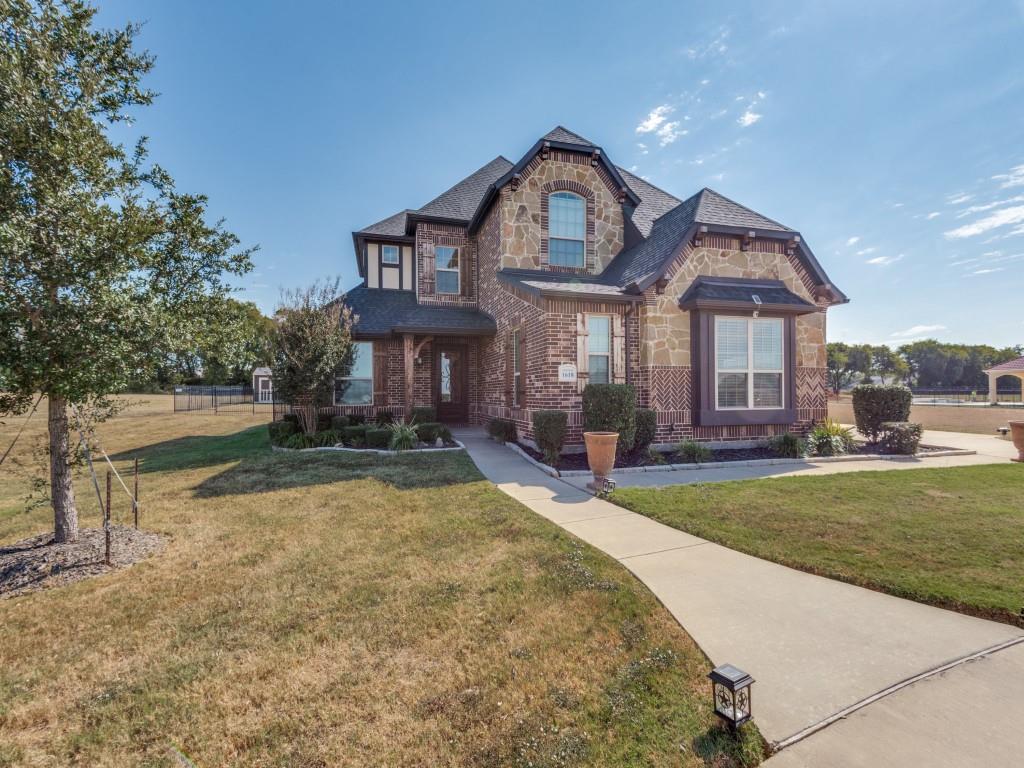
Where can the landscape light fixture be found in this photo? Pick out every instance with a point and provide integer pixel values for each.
(730, 690)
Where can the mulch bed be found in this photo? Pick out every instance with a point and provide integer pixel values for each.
(38, 563)
(575, 461)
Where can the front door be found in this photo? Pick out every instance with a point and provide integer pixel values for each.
(451, 395)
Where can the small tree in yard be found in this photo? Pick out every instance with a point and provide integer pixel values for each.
(312, 346)
(104, 267)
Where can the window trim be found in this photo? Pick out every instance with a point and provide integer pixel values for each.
(457, 270)
(610, 354)
(517, 365)
(751, 370)
(702, 332)
(398, 255)
(581, 240)
(357, 378)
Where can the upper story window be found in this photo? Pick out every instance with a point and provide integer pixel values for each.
(447, 269)
(389, 254)
(567, 225)
(748, 363)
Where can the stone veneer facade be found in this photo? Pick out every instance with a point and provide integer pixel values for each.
(657, 343)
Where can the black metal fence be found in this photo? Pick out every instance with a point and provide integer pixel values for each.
(221, 399)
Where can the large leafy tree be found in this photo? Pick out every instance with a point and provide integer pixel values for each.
(104, 266)
(312, 346)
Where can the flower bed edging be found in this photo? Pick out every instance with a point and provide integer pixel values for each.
(377, 451)
(545, 468)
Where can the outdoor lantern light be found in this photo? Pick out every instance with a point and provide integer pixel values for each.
(730, 689)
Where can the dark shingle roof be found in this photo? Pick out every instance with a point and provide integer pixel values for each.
(654, 202)
(536, 282)
(742, 291)
(391, 226)
(383, 312)
(461, 201)
(565, 136)
(718, 209)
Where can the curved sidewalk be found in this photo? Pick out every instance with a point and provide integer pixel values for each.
(815, 646)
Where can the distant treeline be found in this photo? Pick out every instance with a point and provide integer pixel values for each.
(927, 363)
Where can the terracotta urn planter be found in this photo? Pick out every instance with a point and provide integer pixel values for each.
(1016, 432)
(600, 454)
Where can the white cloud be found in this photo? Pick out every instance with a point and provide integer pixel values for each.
(655, 118)
(748, 118)
(633, 169)
(642, 147)
(853, 240)
(917, 330)
(1012, 215)
(884, 261)
(987, 271)
(1015, 178)
(705, 82)
(933, 215)
(897, 205)
(958, 198)
(714, 47)
(669, 132)
(989, 206)
(866, 251)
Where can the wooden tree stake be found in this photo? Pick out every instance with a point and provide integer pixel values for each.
(135, 501)
(106, 522)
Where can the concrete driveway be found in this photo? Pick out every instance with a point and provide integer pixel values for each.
(818, 648)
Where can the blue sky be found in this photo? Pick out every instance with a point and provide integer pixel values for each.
(890, 134)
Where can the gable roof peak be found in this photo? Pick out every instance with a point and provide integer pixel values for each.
(715, 208)
(563, 135)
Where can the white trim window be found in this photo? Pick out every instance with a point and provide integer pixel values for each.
(567, 227)
(749, 363)
(357, 387)
(446, 267)
(599, 349)
(390, 254)
(517, 367)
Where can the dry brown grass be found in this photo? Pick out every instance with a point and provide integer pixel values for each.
(945, 418)
(336, 610)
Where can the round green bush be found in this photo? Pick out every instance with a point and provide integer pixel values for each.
(646, 427)
(875, 404)
(611, 408)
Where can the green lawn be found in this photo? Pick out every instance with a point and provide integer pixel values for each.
(949, 537)
(331, 610)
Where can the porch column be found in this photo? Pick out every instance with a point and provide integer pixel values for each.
(993, 397)
(409, 355)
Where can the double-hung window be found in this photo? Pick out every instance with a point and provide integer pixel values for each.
(567, 224)
(446, 266)
(357, 387)
(389, 254)
(599, 349)
(749, 358)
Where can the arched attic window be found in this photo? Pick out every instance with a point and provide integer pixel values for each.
(567, 227)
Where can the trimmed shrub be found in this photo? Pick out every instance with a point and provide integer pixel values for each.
(549, 429)
(299, 440)
(873, 405)
(502, 429)
(424, 413)
(378, 437)
(280, 431)
(403, 436)
(355, 419)
(326, 438)
(384, 418)
(689, 452)
(903, 437)
(788, 446)
(830, 438)
(351, 434)
(646, 425)
(611, 408)
(431, 430)
(292, 418)
(655, 457)
(338, 423)
(323, 421)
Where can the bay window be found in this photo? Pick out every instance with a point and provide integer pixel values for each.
(749, 363)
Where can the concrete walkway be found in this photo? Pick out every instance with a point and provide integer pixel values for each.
(989, 450)
(815, 646)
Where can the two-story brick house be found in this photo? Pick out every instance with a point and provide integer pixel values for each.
(512, 290)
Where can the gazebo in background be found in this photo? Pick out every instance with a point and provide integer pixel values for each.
(1009, 368)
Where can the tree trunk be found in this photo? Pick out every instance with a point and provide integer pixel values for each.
(308, 412)
(62, 492)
